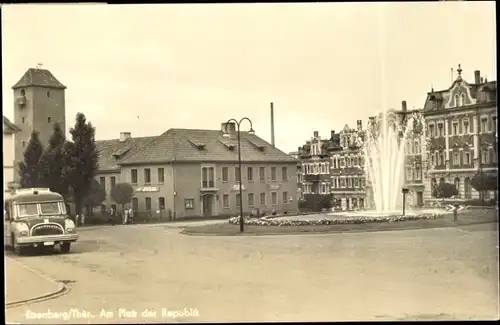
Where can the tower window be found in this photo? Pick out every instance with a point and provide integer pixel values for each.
(23, 143)
(22, 120)
(23, 92)
(49, 119)
(48, 93)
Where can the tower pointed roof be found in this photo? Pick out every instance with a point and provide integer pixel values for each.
(38, 77)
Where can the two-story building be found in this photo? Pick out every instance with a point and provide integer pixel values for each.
(9, 167)
(348, 180)
(461, 124)
(196, 173)
(110, 153)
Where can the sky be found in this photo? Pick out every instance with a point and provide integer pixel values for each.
(147, 68)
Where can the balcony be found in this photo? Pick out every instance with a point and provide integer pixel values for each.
(312, 178)
(21, 101)
(207, 186)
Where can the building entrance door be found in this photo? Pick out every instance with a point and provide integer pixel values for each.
(208, 205)
(420, 199)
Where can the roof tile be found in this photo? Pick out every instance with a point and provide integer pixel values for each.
(111, 151)
(40, 78)
(177, 145)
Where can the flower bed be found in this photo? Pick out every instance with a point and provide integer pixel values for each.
(327, 221)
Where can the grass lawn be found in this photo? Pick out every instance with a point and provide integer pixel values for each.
(467, 217)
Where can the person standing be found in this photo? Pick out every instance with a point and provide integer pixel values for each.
(131, 215)
(125, 216)
(111, 218)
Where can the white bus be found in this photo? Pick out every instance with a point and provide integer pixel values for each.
(36, 217)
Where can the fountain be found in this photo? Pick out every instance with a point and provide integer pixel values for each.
(383, 143)
(384, 150)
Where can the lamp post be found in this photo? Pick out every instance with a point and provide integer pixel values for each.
(238, 123)
(404, 190)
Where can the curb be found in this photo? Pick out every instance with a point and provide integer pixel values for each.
(60, 291)
(326, 232)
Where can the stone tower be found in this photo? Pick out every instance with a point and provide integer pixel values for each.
(38, 103)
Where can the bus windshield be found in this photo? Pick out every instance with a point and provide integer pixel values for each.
(50, 208)
(28, 210)
(46, 208)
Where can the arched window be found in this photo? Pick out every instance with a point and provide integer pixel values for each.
(456, 100)
(23, 92)
(462, 99)
(457, 185)
(441, 180)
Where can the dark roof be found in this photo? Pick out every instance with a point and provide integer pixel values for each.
(205, 145)
(41, 197)
(40, 78)
(111, 151)
(9, 127)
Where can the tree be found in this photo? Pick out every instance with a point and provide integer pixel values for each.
(81, 160)
(122, 193)
(52, 163)
(29, 169)
(445, 190)
(483, 182)
(316, 202)
(96, 195)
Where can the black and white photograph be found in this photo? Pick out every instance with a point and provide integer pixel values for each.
(250, 162)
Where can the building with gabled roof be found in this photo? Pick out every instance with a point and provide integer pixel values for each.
(9, 164)
(193, 172)
(462, 127)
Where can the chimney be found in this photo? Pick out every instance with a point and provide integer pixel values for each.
(228, 128)
(403, 106)
(272, 125)
(477, 77)
(332, 134)
(359, 123)
(124, 136)
(316, 134)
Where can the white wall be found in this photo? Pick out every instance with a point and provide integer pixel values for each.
(8, 159)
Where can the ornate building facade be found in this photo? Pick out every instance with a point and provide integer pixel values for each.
(348, 180)
(314, 174)
(461, 125)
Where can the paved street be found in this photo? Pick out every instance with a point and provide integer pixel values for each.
(447, 273)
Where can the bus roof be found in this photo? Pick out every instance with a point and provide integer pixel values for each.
(33, 196)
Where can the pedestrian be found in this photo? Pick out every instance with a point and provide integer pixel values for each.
(82, 218)
(131, 215)
(77, 220)
(111, 217)
(125, 216)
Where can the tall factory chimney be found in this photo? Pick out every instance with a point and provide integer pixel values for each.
(272, 125)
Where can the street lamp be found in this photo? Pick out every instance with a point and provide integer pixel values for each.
(238, 123)
(404, 190)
